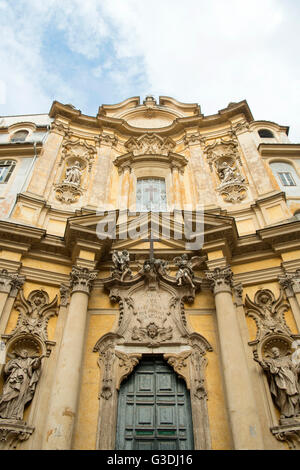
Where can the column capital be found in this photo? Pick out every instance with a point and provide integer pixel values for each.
(64, 295)
(81, 279)
(10, 283)
(238, 294)
(290, 281)
(221, 279)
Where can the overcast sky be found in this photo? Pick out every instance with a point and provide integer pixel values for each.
(90, 52)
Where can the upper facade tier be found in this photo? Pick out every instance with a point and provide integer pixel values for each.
(149, 155)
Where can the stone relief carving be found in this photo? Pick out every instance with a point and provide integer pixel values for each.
(10, 282)
(127, 363)
(152, 333)
(121, 265)
(151, 144)
(221, 279)
(224, 156)
(273, 352)
(290, 281)
(77, 155)
(26, 346)
(21, 376)
(151, 316)
(78, 149)
(268, 313)
(283, 373)
(185, 273)
(82, 279)
(64, 295)
(69, 190)
(34, 315)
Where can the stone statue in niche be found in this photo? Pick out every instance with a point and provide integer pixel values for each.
(185, 273)
(73, 174)
(282, 372)
(121, 264)
(22, 374)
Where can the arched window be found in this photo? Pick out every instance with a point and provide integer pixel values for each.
(19, 136)
(6, 169)
(151, 195)
(286, 176)
(265, 134)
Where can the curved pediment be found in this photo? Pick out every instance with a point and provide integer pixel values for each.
(149, 114)
(170, 160)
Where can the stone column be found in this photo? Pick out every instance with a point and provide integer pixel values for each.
(65, 391)
(242, 410)
(291, 284)
(10, 283)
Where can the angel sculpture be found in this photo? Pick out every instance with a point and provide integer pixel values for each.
(121, 264)
(185, 273)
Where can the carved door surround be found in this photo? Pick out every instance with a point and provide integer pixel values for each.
(151, 321)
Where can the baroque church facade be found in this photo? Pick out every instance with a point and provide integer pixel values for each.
(149, 279)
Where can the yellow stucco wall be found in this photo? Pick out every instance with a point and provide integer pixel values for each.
(218, 421)
(86, 424)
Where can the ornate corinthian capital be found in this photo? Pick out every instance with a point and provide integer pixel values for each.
(290, 282)
(221, 279)
(10, 282)
(81, 279)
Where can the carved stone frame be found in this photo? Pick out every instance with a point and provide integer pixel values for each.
(185, 352)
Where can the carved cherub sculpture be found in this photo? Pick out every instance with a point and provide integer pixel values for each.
(185, 273)
(121, 264)
(268, 313)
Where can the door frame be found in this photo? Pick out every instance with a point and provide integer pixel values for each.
(116, 363)
(161, 358)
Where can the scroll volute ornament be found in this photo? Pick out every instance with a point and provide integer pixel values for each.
(268, 314)
(35, 312)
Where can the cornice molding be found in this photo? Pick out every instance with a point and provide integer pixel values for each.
(279, 150)
(22, 149)
(178, 125)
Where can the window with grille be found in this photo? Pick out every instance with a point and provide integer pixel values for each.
(6, 169)
(19, 136)
(151, 195)
(286, 178)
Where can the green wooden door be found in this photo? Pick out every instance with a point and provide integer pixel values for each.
(154, 409)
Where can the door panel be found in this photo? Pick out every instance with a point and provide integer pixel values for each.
(154, 410)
